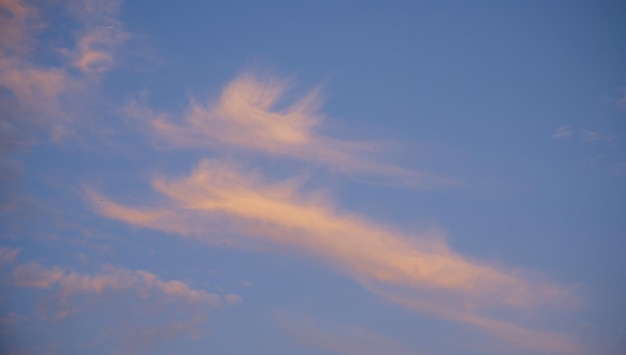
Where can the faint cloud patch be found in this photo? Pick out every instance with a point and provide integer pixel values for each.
(11, 318)
(245, 283)
(619, 168)
(36, 276)
(149, 310)
(589, 163)
(564, 131)
(8, 255)
(592, 136)
(344, 340)
(82, 258)
(233, 298)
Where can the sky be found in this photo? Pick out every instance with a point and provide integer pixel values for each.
(312, 177)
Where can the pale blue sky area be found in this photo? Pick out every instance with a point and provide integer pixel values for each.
(340, 177)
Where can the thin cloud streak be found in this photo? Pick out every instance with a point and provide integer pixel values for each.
(246, 117)
(564, 131)
(339, 340)
(259, 215)
(591, 136)
(520, 336)
(34, 275)
(166, 308)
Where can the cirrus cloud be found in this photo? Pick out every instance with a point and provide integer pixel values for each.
(250, 116)
(251, 213)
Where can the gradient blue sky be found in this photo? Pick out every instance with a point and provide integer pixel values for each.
(284, 177)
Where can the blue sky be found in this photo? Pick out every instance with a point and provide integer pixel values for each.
(312, 177)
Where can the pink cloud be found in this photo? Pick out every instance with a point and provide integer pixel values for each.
(252, 213)
(48, 97)
(245, 117)
(143, 325)
(112, 278)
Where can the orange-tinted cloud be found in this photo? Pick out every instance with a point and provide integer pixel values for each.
(101, 37)
(280, 215)
(246, 117)
(257, 214)
(32, 86)
(113, 278)
(166, 308)
(47, 94)
(18, 21)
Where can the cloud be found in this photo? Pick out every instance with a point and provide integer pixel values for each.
(338, 340)
(19, 20)
(31, 86)
(101, 37)
(245, 283)
(8, 255)
(619, 168)
(34, 275)
(564, 131)
(44, 95)
(522, 337)
(233, 298)
(50, 77)
(279, 214)
(252, 213)
(25, 89)
(591, 136)
(158, 310)
(250, 115)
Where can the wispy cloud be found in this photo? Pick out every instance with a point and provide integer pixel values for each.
(586, 135)
(8, 255)
(256, 214)
(619, 168)
(112, 278)
(32, 86)
(522, 337)
(564, 131)
(338, 340)
(155, 322)
(250, 115)
(101, 37)
(45, 95)
(19, 20)
(233, 298)
(592, 136)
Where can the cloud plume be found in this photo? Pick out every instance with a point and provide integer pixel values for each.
(257, 214)
(250, 115)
